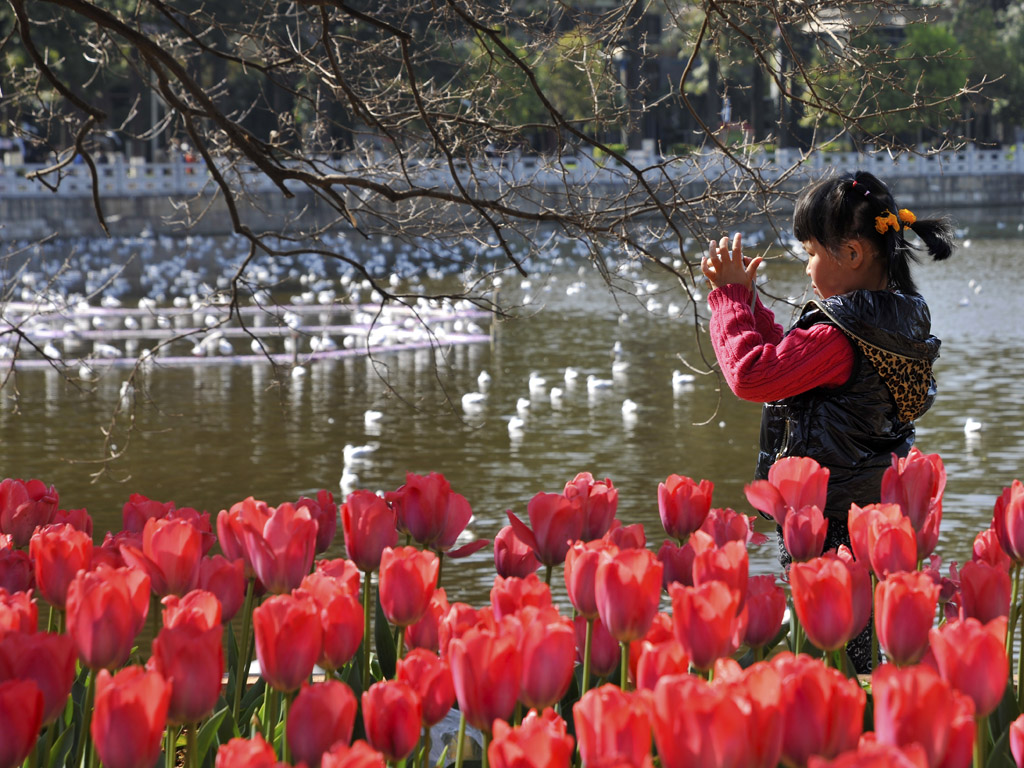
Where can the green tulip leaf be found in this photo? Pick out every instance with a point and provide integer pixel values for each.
(1007, 711)
(61, 748)
(1000, 756)
(386, 654)
(208, 732)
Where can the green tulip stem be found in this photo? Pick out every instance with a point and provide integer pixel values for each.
(586, 657)
(486, 743)
(758, 653)
(192, 745)
(169, 752)
(979, 742)
(400, 643)
(49, 620)
(426, 747)
(367, 587)
(83, 736)
(624, 667)
(1014, 613)
(245, 651)
(547, 574)
(461, 741)
(874, 626)
(440, 569)
(1020, 668)
(286, 700)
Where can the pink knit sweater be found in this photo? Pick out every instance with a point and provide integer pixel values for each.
(760, 362)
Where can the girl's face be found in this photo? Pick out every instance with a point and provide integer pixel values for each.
(830, 276)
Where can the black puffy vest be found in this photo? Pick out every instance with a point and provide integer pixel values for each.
(854, 429)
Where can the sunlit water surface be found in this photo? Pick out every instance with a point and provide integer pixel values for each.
(209, 436)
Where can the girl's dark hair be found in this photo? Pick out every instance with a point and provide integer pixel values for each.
(841, 208)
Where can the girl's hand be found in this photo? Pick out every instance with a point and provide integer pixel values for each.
(725, 266)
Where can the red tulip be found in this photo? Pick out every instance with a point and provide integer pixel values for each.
(18, 612)
(170, 555)
(960, 748)
(661, 631)
(658, 660)
(804, 533)
(21, 714)
(548, 651)
(392, 714)
(324, 512)
(129, 717)
(905, 606)
(823, 710)
(249, 512)
(892, 544)
(766, 606)
(359, 755)
(793, 482)
(512, 557)
(710, 731)
(1017, 740)
(729, 563)
(225, 579)
(759, 688)
(540, 741)
(984, 591)
(431, 678)
(916, 483)
(198, 520)
(45, 658)
(425, 632)
(321, 715)
(282, 552)
(343, 571)
(191, 659)
(970, 656)
(246, 753)
(341, 618)
(677, 563)
(581, 561)
(628, 590)
(605, 651)
(870, 754)
(369, 527)
(598, 500)
(913, 705)
(408, 578)
(459, 619)
(59, 552)
(509, 595)
(726, 524)
(860, 586)
(555, 523)
(626, 536)
(707, 620)
(431, 512)
(1008, 521)
(24, 506)
(289, 639)
(613, 727)
(486, 668)
(987, 549)
(15, 570)
(106, 608)
(139, 509)
(199, 609)
(823, 599)
(78, 519)
(683, 505)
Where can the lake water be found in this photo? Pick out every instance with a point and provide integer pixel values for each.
(208, 436)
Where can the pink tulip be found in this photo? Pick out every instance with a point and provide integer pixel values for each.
(729, 563)
(905, 606)
(392, 714)
(984, 591)
(408, 578)
(540, 741)
(823, 599)
(106, 608)
(971, 657)
(46, 659)
(987, 549)
(913, 705)
(626, 536)
(343, 571)
(683, 505)
(509, 595)
(225, 579)
(658, 660)
(16, 570)
(1008, 521)
(199, 608)
(58, 553)
(246, 753)
(24, 506)
(250, 513)
(726, 524)
(1017, 740)
(804, 533)
(758, 688)
(369, 526)
(341, 618)
(18, 612)
(613, 727)
(21, 713)
(605, 651)
(581, 561)
(359, 755)
(289, 639)
(324, 512)
(486, 669)
(916, 483)
(321, 715)
(425, 633)
(598, 500)
(431, 678)
(129, 717)
(512, 557)
(707, 620)
(555, 522)
(793, 482)
(548, 652)
(677, 563)
(191, 659)
(710, 731)
(170, 555)
(627, 591)
(139, 509)
(766, 605)
(282, 551)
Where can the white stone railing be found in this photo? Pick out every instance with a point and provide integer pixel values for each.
(122, 178)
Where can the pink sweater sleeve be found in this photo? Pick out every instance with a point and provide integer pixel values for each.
(760, 363)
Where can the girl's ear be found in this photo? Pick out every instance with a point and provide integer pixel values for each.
(856, 253)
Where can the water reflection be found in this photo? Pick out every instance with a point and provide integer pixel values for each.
(208, 436)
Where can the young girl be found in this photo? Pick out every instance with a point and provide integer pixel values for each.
(845, 384)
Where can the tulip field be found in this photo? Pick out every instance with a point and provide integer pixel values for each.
(672, 655)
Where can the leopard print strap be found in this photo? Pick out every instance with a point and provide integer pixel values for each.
(909, 381)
